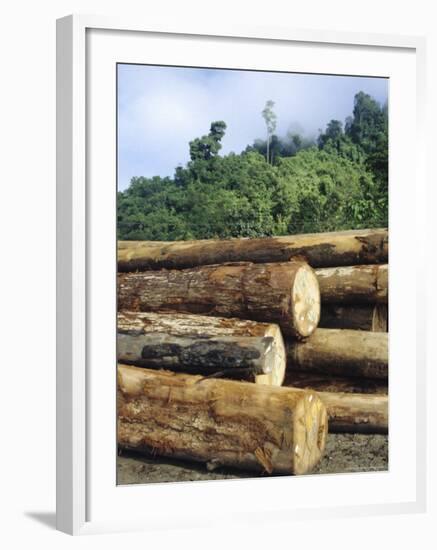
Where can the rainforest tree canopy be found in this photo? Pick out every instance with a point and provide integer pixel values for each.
(280, 185)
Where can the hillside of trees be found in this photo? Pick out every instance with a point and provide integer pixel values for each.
(276, 186)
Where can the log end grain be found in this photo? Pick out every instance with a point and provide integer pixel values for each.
(283, 293)
(220, 422)
(310, 432)
(305, 302)
(277, 359)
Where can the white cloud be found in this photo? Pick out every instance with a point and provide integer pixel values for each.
(161, 109)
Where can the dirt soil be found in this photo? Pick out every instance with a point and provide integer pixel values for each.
(344, 453)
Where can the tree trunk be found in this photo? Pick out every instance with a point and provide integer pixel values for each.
(362, 317)
(197, 344)
(367, 246)
(328, 383)
(284, 293)
(357, 284)
(356, 413)
(341, 352)
(220, 422)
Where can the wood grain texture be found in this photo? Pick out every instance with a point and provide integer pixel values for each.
(284, 293)
(367, 246)
(356, 413)
(220, 422)
(341, 352)
(359, 284)
(233, 348)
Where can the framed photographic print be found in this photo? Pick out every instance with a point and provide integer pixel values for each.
(231, 340)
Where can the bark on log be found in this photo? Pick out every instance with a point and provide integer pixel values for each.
(328, 383)
(357, 284)
(220, 422)
(362, 317)
(233, 348)
(356, 413)
(367, 246)
(283, 293)
(341, 352)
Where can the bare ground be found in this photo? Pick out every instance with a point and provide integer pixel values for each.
(344, 453)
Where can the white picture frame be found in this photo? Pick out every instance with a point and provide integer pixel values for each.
(81, 302)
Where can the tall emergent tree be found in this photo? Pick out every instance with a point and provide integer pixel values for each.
(340, 182)
(270, 119)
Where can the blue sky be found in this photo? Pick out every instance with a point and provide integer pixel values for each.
(161, 109)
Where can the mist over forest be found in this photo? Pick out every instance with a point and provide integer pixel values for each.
(278, 185)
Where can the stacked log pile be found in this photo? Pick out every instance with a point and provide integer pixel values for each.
(209, 330)
(354, 297)
(282, 293)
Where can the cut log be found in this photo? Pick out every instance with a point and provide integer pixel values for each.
(233, 348)
(367, 246)
(220, 422)
(362, 317)
(283, 293)
(341, 352)
(356, 413)
(328, 383)
(354, 284)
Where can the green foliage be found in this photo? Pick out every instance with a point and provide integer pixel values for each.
(207, 147)
(368, 130)
(287, 146)
(333, 133)
(327, 192)
(340, 183)
(335, 140)
(364, 141)
(151, 209)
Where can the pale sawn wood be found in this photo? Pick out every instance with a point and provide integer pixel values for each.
(220, 422)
